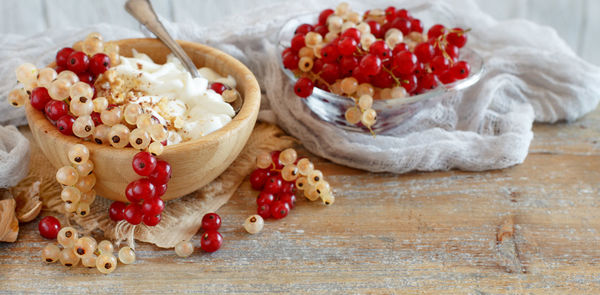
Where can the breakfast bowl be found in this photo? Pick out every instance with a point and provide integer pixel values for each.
(194, 163)
(391, 112)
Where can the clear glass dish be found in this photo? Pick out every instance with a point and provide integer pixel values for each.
(390, 112)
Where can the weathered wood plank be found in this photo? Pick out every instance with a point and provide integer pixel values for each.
(527, 229)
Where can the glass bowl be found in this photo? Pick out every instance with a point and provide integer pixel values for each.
(391, 112)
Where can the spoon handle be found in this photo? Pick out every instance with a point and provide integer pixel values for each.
(142, 11)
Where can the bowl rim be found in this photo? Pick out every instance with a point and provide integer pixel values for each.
(250, 106)
(472, 79)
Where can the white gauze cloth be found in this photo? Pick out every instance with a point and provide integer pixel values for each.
(532, 75)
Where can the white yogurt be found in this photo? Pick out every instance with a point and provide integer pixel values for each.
(184, 104)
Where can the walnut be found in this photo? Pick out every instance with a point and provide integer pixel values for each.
(28, 201)
(9, 225)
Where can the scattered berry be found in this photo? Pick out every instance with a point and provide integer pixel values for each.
(49, 227)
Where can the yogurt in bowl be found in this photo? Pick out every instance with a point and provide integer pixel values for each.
(187, 107)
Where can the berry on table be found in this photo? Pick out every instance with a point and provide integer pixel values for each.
(279, 209)
(50, 253)
(106, 263)
(116, 211)
(254, 224)
(67, 237)
(211, 222)
(184, 248)
(211, 241)
(126, 255)
(49, 227)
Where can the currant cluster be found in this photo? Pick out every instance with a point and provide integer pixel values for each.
(145, 193)
(380, 55)
(67, 96)
(87, 250)
(278, 176)
(78, 181)
(65, 93)
(211, 240)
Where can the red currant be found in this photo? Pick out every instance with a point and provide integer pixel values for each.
(86, 77)
(383, 80)
(439, 65)
(359, 76)
(65, 124)
(460, 70)
(288, 198)
(390, 13)
(347, 46)
(457, 37)
(258, 178)
(265, 198)
(330, 72)
(62, 56)
(403, 13)
(273, 184)
(211, 241)
(330, 52)
(324, 15)
(404, 63)
(264, 211)
(141, 189)
(49, 227)
(290, 61)
(279, 209)
(375, 29)
(370, 65)
(447, 77)
(162, 173)
(402, 24)
(435, 31)
(39, 98)
(416, 25)
(275, 159)
(321, 30)
(399, 48)
(353, 33)
(288, 187)
(133, 214)
(99, 63)
(161, 189)
(424, 52)
(153, 206)
(55, 109)
(380, 49)
(304, 29)
(348, 64)
(297, 42)
(78, 62)
(152, 220)
(428, 82)
(96, 118)
(211, 222)
(116, 211)
(409, 82)
(143, 163)
(218, 87)
(303, 87)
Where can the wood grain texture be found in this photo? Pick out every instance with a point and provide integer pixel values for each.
(212, 154)
(533, 229)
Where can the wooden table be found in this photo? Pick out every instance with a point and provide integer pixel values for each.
(533, 228)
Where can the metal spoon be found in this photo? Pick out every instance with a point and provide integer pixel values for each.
(142, 11)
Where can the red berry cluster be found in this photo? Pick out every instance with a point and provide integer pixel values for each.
(211, 240)
(145, 193)
(383, 49)
(87, 68)
(277, 196)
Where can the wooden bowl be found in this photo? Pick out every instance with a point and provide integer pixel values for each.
(194, 163)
